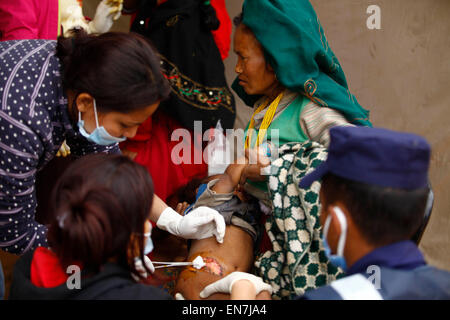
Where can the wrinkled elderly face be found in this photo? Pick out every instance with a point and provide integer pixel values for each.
(255, 75)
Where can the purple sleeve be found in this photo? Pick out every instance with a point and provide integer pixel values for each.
(20, 151)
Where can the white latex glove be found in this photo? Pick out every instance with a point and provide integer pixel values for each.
(179, 296)
(140, 267)
(226, 284)
(200, 223)
(107, 11)
(71, 16)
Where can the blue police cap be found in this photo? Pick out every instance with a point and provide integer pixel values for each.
(375, 156)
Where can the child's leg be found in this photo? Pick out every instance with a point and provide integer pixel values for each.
(234, 254)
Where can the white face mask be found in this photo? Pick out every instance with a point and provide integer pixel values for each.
(338, 258)
(99, 135)
(148, 243)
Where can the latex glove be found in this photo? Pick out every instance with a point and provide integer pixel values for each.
(179, 296)
(107, 11)
(200, 223)
(226, 284)
(71, 16)
(139, 265)
(64, 150)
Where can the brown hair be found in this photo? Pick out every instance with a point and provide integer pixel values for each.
(100, 202)
(120, 70)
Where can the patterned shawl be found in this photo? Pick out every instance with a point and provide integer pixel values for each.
(297, 261)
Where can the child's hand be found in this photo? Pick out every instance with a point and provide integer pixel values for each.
(229, 180)
(234, 171)
(257, 160)
(181, 207)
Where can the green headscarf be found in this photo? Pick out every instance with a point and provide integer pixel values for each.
(296, 47)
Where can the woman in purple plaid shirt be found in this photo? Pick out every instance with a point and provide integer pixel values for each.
(90, 91)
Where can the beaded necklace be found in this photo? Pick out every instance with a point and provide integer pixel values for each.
(267, 120)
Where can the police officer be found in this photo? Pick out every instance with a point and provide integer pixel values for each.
(374, 193)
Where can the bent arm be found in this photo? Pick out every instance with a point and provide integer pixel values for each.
(230, 179)
(158, 207)
(21, 150)
(19, 232)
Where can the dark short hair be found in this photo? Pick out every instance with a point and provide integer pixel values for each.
(99, 202)
(120, 70)
(382, 215)
(238, 22)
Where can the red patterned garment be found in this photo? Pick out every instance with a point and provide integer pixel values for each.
(153, 146)
(222, 36)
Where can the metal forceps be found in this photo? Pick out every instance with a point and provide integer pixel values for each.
(165, 264)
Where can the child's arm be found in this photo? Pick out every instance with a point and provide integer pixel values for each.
(230, 179)
(222, 188)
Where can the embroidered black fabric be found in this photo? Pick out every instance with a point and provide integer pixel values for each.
(191, 62)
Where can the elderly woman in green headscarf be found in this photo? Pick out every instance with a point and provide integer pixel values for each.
(296, 86)
(288, 73)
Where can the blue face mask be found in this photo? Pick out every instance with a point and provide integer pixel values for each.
(148, 243)
(336, 259)
(99, 135)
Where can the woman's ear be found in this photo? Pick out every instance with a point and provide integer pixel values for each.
(84, 102)
(269, 67)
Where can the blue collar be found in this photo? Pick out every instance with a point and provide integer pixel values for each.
(200, 191)
(399, 255)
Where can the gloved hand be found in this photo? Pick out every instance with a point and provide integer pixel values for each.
(226, 284)
(200, 223)
(71, 16)
(64, 150)
(179, 296)
(107, 11)
(139, 265)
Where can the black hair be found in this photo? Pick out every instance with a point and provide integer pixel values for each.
(120, 70)
(100, 202)
(383, 215)
(208, 14)
(237, 21)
